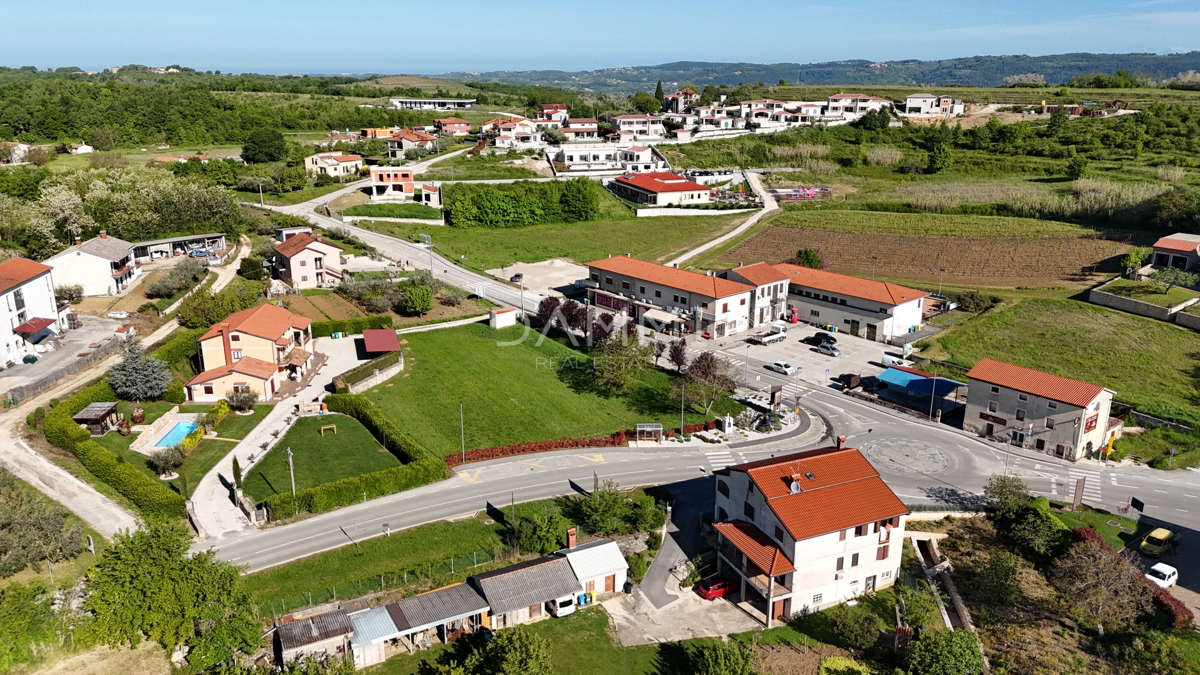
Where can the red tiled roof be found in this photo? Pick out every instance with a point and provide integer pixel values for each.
(298, 243)
(346, 158)
(879, 291)
(451, 120)
(380, 340)
(671, 277)
(912, 371)
(1176, 245)
(757, 546)
(554, 106)
(256, 368)
(265, 321)
(661, 182)
(761, 274)
(19, 270)
(1036, 382)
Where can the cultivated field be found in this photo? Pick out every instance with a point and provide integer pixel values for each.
(429, 84)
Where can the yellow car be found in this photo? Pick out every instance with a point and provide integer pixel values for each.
(1158, 542)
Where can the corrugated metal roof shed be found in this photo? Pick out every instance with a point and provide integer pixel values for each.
(373, 625)
(595, 559)
(443, 605)
(527, 584)
(313, 629)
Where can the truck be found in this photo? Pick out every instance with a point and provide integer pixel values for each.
(777, 332)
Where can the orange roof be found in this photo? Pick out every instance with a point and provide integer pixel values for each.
(671, 277)
(347, 158)
(298, 243)
(761, 274)
(857, 287)
(19, 270)
(1176, 245)
(412, 136)
(660, 181)
(265, 321)
(1036, 382)
(759, 548)
(451, 120)
(250, 366)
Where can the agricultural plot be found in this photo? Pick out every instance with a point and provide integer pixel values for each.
(303, 306)
(335, 307)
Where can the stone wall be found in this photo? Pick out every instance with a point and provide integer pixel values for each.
(1188, 320)
(379, 376)
(1099, 297)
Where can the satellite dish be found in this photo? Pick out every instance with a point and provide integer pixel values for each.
(794, 487)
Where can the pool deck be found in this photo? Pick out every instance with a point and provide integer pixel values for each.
(181, 417)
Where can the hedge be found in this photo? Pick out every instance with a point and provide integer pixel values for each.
(193, 439)
(404, 447)
(183, 346)
(616, 440)
(152, 497)
(360, 373)
(219, 410)
(350, 326)
(63, 432)
(353, 490)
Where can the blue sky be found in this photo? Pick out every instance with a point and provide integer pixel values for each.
(306, 36)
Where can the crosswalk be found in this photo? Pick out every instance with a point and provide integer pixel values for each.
(1064, 488)
(720, 459)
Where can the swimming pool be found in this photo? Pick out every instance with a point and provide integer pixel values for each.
(176, 435)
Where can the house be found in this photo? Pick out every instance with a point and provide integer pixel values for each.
(875, 310)
(12, 152)
(416, 622)
(252, 350)
(769, 301)
(428, 194)
(519, 594)
(853, 106)
(306, 261)
(556, 112)
(928, 104)
(102, 266)
(325, 634)
(376, 132)
(668, 296)
(285, 233)
(28, 309)
(333, 164)
(452, 126)
(608, 158)
(432, 103)
(1034, 409)
(80, 149)
(806, 531)
(516, 132)
(390, 181)
(407, 139)
(679, 101)
(641, 126)
(759, 109)
(598, 565)
(581, 128)
(1177, 250)
(659, 189)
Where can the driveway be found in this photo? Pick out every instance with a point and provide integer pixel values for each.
(94, 330)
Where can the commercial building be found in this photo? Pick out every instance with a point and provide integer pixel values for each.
(659, 188)
(432, 103)
(769, 300)
(102, 266)
(874, 310)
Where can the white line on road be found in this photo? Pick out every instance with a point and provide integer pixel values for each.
(1160, 490)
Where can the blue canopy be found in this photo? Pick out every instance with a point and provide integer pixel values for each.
(897, 378)
(915, 384)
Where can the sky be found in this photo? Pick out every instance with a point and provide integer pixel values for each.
(390, 36)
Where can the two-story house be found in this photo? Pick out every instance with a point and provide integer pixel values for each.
(679, 101)
(875, 310)
(609, 158)
(307, 261)
(761, 108)
(102, 266)
(659, 294)
(769, 301)
(929, 105)
(252, 350)
(452, 126)
(556, 112)
(28, 310)
(1039, 410)
(659, 188)
(581, 128)
(333, 164)
(391, 182)
(853, 106)
(407, 139)
(807, 531)
(641, 126)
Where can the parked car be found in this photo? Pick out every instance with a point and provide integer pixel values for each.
(781, 367)
(1158, 542)
(714, 587)
(517, 278)
(820, 339)
(1163, 575)
(560, 607)
(199, 254)
(828, 349)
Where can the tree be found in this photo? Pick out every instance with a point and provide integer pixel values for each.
(547, 313)
(165, 461)
(1135, 257)
(874, 120)
(1000, 577)
(1007, 496)
(857, 626)
(1170, 277)
(644, 103)
(580, 200)
(940, 158)
(264, 145)
(418, 300)
(146, 585)
(241, 401)
(1177, 209)
(603, 509)
(647, 516)
(677, 354)
(575, 314)
(540, 533)
(38, 156)
(1037, 532)
(660, 348)
(237, 473)
(1077, 166)
(138, 377)
(554, 136)
(708, 380)
(945, 652)
(1103, 587)
(251, 267)
(783, 81)
(714, 657)
(513, 651)
(618, 363)
(807, 257)
(32, 531)
(68, 293)
(658, 91)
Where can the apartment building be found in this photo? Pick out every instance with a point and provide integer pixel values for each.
(875, 310)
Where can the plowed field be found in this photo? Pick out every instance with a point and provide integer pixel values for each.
(335, 307)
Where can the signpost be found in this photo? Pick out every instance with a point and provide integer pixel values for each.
(1137, 504)
(1078, 494)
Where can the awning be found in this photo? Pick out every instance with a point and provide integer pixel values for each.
(380, 340)
(897, 378)
(34, 325)
(662, 317)
(916, 384)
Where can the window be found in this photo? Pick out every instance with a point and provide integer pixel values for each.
(241, 387)
(1049, 422)
(723, 487)
(779, 534)
(683, 299)
(608, 280)
(750, 488)
(304, 263)
(817, 598)
(303, 277)
(842, 535)
(841, 564)
(854, 560)
(743, 301)
(748, 510)
(642, 290)
(881, 553)
(1020, 415)
(1052, 405)
(995, 390)
(235, 338)
(625, 285)
(887, 574)
(813, 312)
(237, 354)
(595, 277)
(208, 389)
(992, 406)
(1022, 397)
(862, 530)
(658, 294)
(704, 305)
(724, 307)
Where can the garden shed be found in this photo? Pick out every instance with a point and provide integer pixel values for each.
(99, 418)
(378, 341)
(598, 565)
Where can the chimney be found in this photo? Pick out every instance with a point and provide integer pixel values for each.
(103, 234)
(78, 241)
(841, 442)
(571, 537)
(626, 255)
(317, 236)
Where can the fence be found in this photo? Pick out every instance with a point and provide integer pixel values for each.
(417, 577)
(45, 382)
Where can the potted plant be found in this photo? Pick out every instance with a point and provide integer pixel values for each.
(138, 415)
(124, 427)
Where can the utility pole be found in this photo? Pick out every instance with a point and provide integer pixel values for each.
(260, 196)
(462, 430)
(292, 471)
(933, 395)
(522, 296)
(682, 399)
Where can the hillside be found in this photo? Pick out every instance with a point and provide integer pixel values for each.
(978, 71)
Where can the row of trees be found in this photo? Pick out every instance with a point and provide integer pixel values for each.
(522, 204)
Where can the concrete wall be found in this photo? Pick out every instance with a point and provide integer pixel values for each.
(423, 221)
(379, 376)
(1189, 320)
(654, 213)
(1099, 297)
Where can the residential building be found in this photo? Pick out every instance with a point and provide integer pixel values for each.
(931, 105)
(769, 301)
(306, 261)
(376, 132)
(759, 109)
(333, 164)
(853, 106)
(15, 152)
(556, 112)
(581, 128)
(608, 158)
(325, 634)
(669, 297)
(407, 139)
(807, 531)
(875, 310)
(641, 126)
(519, 594)
(80, 149)
(391, 181)
(516, 133)
(252, 350)
(28, 309)
(659, 189)
(1034, 409)
(432, 103)
(598, 565)
(1177, 250)
(679, 101)
(428, 194)
(452, 126)
(102, 266)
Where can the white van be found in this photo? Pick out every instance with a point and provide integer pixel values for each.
(889, 361)
(560, 607)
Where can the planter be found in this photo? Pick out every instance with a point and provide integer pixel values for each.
(138, 415)
(243, 413)
(169, 476)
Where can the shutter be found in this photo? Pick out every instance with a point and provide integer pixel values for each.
(881, 553)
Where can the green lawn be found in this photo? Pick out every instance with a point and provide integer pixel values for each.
(203, 458)
(238, 426)
(394, 211)
(476, 167)
(318, 459)
(926, 224)
(1147, 362)
(521, 392)
(1148, 292)
(289, 198)
(1098, 521)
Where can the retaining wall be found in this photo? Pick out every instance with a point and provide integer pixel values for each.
(1099, 297)
(379, 376)
(1187, 320)
(654, 213)
(421, 221)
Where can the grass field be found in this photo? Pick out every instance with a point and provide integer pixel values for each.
(429, 84)
(926, 224)
(513, 393)
(476, 167)
(394, 211)
(136, 157)
(289, 198)
(1148, 292)
(318, 459)
(1098, 521)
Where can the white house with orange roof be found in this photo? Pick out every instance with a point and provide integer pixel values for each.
(659, 188)
(333, 164)
(769, 302)
(679, 101)
(28, 308)
(556, 112)
(875, 310)
(252, 350)
(761, 108)
(581, 128)
(806, 531)
(407, 139)
(640, 126)
(305, 261)
(853, 106)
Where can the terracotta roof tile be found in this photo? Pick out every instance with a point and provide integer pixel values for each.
(298, 243)
(1170, 244)
(256, 368)
(757, 546)
(829, 466)
(671, 277)
(660, 182)
(19, 270)
(451, 120)
(1036, 382)
(266, 321)
(761, 274)
(857, 287)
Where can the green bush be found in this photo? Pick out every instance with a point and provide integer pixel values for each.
(637, 566)
(350, 326)
(329, 496)
(175, 393)
(63, 432)
(152, 497)
(654, 541)
(404, 447)
(182, 347)
(522, 203)
(856, 627)
(193, 439)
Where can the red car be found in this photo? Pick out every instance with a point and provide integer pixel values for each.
(715, 587)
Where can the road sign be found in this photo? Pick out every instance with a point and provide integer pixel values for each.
(1078, 493)
(1137, 504)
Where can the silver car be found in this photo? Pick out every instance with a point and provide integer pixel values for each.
(828, 349)
(781, 367)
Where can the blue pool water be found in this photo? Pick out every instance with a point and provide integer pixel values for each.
(176, 435)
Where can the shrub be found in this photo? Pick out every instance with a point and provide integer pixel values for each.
(181, 277)
(68, 293)
(175, 393)
(219, 410)
(192, 440)
(360, 373)
(167, 460)
(857, 627)
(152, 497)
(329, 496)
(884, 156)
(241, 401)
(349, 326)
(63, 432)
(647, 516)
(637, 566)
(654, 541)
(148, 308)
(180, 348)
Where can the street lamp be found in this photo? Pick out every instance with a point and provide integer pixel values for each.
(292, 471)
(462, 431)
(940, 273)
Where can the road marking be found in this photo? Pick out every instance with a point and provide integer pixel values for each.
(469, 477)
(1164, 480)
(1160, 490)
(1192, 496)
(1181, 510)
(594, 458)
